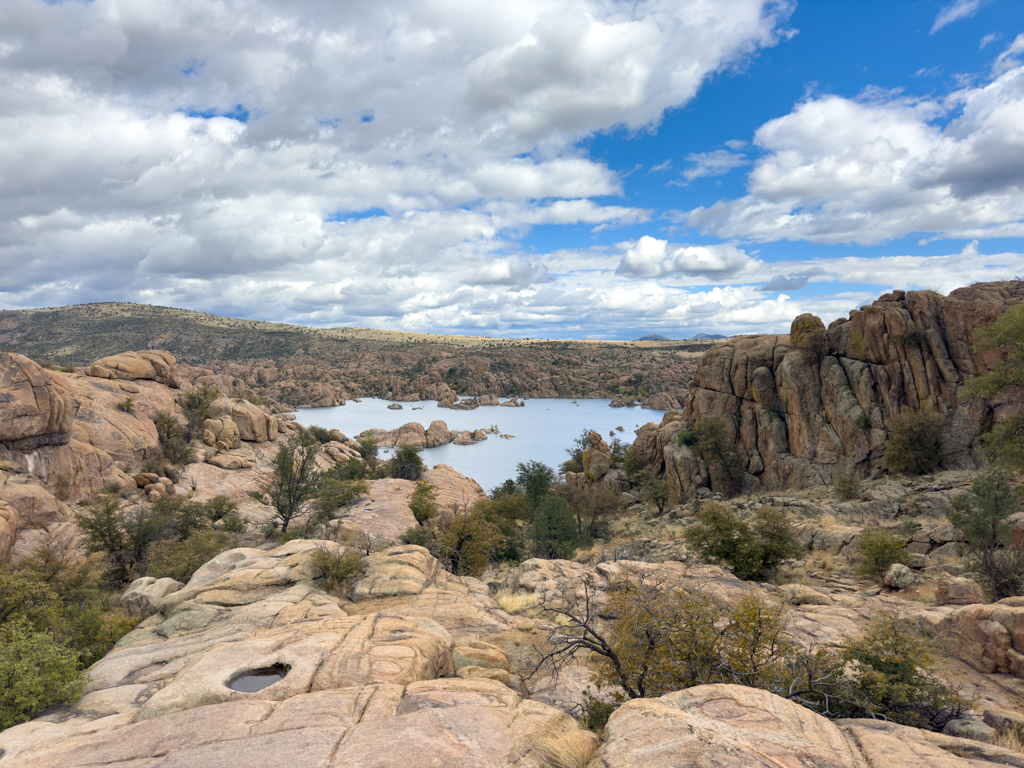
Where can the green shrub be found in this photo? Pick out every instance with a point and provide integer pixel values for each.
(634, 463)
(915, 443)
(847, 486)
(553, 534)
(350, 469)
(127, 405)
(880, 549)
(419, 535)
(220, 507)
(595, 713)
(36, 672)
(750, 551)
(320, 433)
(334, 494)
(464, 543)
(179, 560)
(725, 464)
(196, 406)
(686, 437)
(422, 502)
(981, 516)
(911, 336)
(653, 489)
(338, 568)
(172, 439)
(862, 422)
(406, 464)
(535, 478)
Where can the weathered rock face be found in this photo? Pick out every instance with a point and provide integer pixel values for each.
(156, 366)
(991, 637)
(254, 424)
(36, 408)
(221, 433)
(804, 407)
(597, 458)
(369, 687)
(730, 726)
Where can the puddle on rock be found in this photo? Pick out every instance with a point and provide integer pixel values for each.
(258, 679)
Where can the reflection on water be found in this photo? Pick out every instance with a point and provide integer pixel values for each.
(543, 430)
(258, 679)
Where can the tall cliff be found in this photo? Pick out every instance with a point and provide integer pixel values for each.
(803, 407)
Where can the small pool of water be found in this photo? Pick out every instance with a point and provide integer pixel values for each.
(543, 429)
(258, 679)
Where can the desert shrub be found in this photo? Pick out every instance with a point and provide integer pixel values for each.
(981, 516)
(847, 485)
(889, 678)
(862, 422)
(419, 536)
(634, 463)
(915, 443)
(350, 469)
(724, 462)
(553, 534)
(320, 433)
(172, 439)
(369, 450)
(36, 672)
(594, 506)
(422, 502)
(220, 507)
(406, 464)
(575, 451)
(911, 336)
(750, 551)
(880, 549)
(686, 437)
(195, 404)
(334, 494)
(338, 568)
(510, 514)
(180, 559)
(127, 405)
(618, 451)
(232, 522)
(463, 543)
(297, 480)
(535, 478)
(653, 489)
(595, 713)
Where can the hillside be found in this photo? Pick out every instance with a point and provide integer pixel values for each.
(309, 366)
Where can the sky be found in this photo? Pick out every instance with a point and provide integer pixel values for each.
(514, 168)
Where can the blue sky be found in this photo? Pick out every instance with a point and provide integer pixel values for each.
(552, 168)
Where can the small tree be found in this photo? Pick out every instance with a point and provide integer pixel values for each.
(463, 543)
(915, 443)
(535, 478)
(553, 534)
(721, 536)
(297, 480)
(720, 453)
(36, 671)
(195, 404)
(880, 549)
(653, 489)
(406, 464)
(422, 502)
(981, 516)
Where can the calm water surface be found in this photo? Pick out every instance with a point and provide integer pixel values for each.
(543, 429)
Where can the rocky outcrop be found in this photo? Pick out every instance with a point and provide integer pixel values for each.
(661, 402)
(597, 458)
(253, 423)
(36, 407)
(367, 683)
(802, 408)
(221, 433)
(991, 637)
(157, 366)
(438, 434)
(730, 726)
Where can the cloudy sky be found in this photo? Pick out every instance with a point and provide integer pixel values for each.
(543, 168)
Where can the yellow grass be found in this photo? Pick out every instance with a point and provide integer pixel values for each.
(827, 521)
(515, 602)
(566, 748)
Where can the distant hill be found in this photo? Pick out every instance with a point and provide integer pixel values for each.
(707, 337)
(654, 337)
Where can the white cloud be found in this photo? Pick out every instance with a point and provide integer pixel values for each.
(955, 11)
(716, 163)
(302, 159)
(868, 170)
(990, 38)
(650, 257)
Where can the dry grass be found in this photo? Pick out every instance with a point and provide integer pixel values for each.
(827, 521)
(1009, 738)
(565, 747)
(823, 561)
(515, 602)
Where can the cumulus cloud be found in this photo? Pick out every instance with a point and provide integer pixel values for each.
(791, 282)
(955, 11)
(868, 170)
(650, 257)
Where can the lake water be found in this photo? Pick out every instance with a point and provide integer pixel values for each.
(543, 429)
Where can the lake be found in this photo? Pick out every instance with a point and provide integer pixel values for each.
(543, 429)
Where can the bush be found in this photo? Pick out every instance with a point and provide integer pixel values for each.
(911, 336)
(334, 494)
(915, 443)
(172, 439)
(594, 506)
(220, 507)
(350, 469)
(981, 516)
(127, 405)
(180, 560)
(464, 543)
(535, 478)
(419, 536)
(553, 534)
(406, 464)
(847, 486)
(653, 489)
(686, 437)
(36, 672)
(422, 503)
(321, 434)
(338, 568)
(724, 462)
(634, 463)
(195, 404)
(750, 551)
(880, 549)
(862, 422)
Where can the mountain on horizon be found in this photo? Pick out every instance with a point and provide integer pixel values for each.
(654, 337)
(706, 337)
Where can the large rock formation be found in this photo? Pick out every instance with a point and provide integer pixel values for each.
(802, 408)
(36, 408)
(151, 365)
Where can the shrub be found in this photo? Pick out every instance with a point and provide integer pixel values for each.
(911, 336)
(350, 469)
(595, 713)
(553, 534)
(172, 439)
(195, 404)
(847, 486)
(406, 464)
(220, 507)
(594, 506)
(422, 503)
(338, 568)
(686, 437)
(535, 478)
(862, 422)
(750, 551)
(464, 543)
(322, 435)
(724, 462)
(334, 494)
(981, 516)
(180, 560)
(880, 549)
(915, 443)
(419, 536)
(127, 405)
(36, 672)
(634, 463)
(653, 489)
